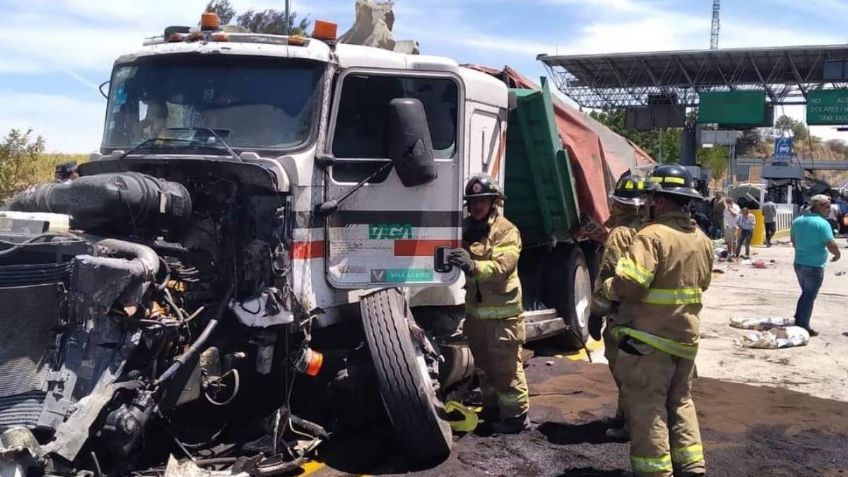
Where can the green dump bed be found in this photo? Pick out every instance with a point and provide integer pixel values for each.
(540, 191)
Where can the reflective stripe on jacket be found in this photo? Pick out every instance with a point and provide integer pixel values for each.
(494, 290)
(660, 280)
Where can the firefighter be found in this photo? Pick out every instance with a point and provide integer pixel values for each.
(494, 324)
(659, 283)
(624, 221)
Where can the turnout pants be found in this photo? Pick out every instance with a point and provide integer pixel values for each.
(496, 347)
(611, 354)
(664, 434)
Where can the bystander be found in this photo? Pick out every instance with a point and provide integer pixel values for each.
(812, 237)
(746, 222)
(769, 219)
(731, 210)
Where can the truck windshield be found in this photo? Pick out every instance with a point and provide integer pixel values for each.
(264, 103)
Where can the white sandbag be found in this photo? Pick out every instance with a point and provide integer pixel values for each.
(781, 337)
(760, 324)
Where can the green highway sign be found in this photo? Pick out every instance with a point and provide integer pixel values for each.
(827, 107)
(732, 107)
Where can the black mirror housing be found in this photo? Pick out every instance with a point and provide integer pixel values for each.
(409, 144)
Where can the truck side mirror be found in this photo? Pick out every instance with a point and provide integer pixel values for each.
(409, 144)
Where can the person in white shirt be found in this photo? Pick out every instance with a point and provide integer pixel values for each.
(833, 218)
(731, 210)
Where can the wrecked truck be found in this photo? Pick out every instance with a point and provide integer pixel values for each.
(255, 257)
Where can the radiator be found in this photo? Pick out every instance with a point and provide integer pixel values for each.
(28, 317)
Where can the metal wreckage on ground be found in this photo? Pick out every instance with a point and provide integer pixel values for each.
(252, 261)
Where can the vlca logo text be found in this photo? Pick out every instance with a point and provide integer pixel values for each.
(389, 231)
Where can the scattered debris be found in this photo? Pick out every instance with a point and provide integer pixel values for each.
(759, 264)
(839, 273)
(549, 363)
(708, 335)
(718, 270)
(760, 324)
(775, 338)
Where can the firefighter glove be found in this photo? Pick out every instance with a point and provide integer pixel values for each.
(595, 324)
(462, 259)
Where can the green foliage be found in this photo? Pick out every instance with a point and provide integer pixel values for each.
(714, 159)
(662, 144)
(265, 21)
(272, 21)
(799, 130)
(19, 154)
(23, 162)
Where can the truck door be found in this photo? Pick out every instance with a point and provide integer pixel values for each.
(386, 234)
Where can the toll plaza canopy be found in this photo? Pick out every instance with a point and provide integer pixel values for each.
(619, 80)
(598, 155)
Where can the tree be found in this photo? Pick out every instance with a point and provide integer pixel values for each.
(797, 128)
(19, 158)
(714, 159)
(225, 11)
(272, 21)
(265, 21)
(662, 144)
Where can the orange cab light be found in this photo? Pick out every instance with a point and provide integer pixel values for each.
(210, 21)
(325, 30)
(220, 36)
(296, 40)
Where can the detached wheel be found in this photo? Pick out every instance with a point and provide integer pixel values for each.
(405, 376)
(568, 288)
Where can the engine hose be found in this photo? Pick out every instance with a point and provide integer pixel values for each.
(140, 253)
(200, 341)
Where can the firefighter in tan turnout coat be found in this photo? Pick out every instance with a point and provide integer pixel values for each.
(659, 283)
(624, 222)
(494, 324)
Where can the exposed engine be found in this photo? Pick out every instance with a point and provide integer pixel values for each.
(144, 312)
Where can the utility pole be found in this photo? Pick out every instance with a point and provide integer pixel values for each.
(286, 26)
(715, 27)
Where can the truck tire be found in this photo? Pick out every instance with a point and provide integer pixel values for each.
(568, 288)
(403, 376)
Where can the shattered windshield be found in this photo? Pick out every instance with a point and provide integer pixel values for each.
(264, 103)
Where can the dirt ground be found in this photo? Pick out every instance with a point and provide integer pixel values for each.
(762, 412)
(819, 369)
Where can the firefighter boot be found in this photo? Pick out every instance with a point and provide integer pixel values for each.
(510, 425)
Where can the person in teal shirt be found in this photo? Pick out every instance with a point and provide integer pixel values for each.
(812, 238)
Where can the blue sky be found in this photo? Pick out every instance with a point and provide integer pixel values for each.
(54, 53)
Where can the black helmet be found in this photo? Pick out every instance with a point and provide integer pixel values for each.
(483, 185)
(66, 168)
(629, 190)
(673, 179)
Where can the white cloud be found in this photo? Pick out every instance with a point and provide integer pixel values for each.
(67, 124)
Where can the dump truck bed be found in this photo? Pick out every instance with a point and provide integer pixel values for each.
(539, 180)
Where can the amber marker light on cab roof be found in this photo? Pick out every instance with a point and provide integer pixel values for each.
(209, 21)
(296, 40)
(325, 30)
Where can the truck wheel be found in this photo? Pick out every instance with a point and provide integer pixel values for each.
(568, 288)
(405, 376)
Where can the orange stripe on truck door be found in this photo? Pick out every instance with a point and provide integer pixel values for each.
(422, 248)
(308, 250)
